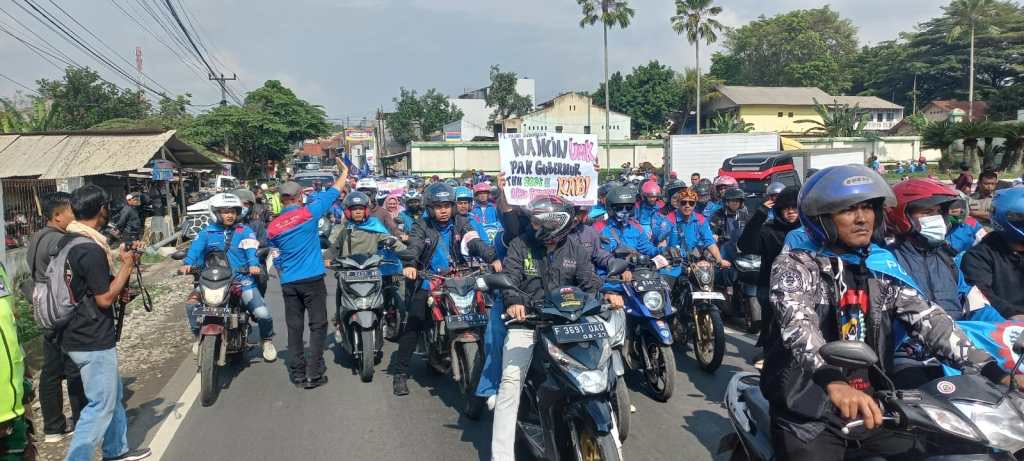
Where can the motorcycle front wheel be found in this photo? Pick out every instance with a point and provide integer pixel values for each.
(471, 361)
(709, 340)
(366, 342)
(661, 370)
(208, 370)
(436, 353)
(622, 406)
(592, 446)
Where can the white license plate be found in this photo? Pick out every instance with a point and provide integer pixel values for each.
(708, 295)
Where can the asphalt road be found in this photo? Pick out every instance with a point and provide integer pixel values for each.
(261, 416)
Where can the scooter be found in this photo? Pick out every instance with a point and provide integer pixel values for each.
(701, 320)
(956, 417)
(566, 410)
(748, 267)
(360, 302)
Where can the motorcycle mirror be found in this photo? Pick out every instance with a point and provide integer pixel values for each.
(1018, 346)
(498, 282)
(178, 255)
(848, 354)
(481, 284)
(617, 267)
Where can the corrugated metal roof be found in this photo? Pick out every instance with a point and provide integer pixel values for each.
(864, 102)
(70, 154)
(773, 96)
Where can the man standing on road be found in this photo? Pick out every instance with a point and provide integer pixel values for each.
(295, 234)
(90, 336)
(981, 200)
(56, 364)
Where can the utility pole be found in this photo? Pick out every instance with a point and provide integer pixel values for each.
(138, 67)
(223, 88)
(915, 95)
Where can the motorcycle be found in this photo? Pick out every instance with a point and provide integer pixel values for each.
(649, 316)
(459, 307)
(567, 410)
(701, 321)
(360, 298)
(748, 267)
(223, 320)
(955, 417)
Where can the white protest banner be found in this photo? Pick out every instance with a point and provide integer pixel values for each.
(550, 163)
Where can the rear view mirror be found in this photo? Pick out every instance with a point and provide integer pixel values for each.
(178, 255)
(848, 354)
(498, 282)
(1018, 345)
(617, 267)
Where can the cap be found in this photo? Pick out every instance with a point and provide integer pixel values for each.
(290, 188)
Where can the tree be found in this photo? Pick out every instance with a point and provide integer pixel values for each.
(416, 117)
(971, 131)
(81, 100)
(502, 96)
(969, 16)
(1014, 147)
(650, 95)
(37, 117)
(694, 18)
(800, 48)
(837, 120)
(728, 122)
(611, 13)
(688, 82)
(1006, 102)
(940, 135)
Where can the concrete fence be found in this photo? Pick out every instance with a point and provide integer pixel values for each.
(888, 148)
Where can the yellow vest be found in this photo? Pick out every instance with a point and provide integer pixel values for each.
(12, 359)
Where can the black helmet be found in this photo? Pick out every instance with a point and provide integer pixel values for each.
(621, 195)
(357, 198)
(774, 188)
(438, 193)
(733, 194)
(553, 216)
(245, 195)
(673, 187)
(703, 189)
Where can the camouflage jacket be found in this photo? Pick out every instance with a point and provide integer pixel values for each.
(805, 292)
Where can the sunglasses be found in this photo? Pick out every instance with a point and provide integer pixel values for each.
(687, 202)
(623, 208)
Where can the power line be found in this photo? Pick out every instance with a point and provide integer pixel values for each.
(18, 83)
(46, 55)
(189, 37)
(33, 32)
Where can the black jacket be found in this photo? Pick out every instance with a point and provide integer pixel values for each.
(424, 237)
(129, 223)
(536, 271)
(998, 272)
(766, 239)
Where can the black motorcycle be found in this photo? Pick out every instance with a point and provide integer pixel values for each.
(700, 321)
(566, 410)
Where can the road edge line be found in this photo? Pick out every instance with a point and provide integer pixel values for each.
(165, 434)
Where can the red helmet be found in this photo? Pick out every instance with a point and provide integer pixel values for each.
(650, 188)
(916, 192)
(481, 187)
(726, 181)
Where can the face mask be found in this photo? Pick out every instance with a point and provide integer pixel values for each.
(933, 228)
(622, 214)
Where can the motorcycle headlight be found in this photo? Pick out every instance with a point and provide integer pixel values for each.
(951, 422)
(654, 301)
(464, 304)
(1000, 424)
(215, 296)
(590, 381)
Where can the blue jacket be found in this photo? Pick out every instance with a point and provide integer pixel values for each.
(687, 234)
(963, 236)
(391, 265)
(488, 218)
(241, 253)
(711, 208)
(653, 221)
(935, 272)
(337, 213)
(628, 235)
(294, 233)
(408, 220)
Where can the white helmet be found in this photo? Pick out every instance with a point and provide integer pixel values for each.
(367, 183)
(224, 201)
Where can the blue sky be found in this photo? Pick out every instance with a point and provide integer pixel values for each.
(351, 56)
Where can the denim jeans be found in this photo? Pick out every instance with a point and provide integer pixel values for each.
(494, 339)
(103, 418)
(254, 304)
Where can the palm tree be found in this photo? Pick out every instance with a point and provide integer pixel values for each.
(727, 122)
(941, 136)
(837, 120)
(969, 16)
(1014, 147)
(694, 18)
(970, 131)
(611, 13)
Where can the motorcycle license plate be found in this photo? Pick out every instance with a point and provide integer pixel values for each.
(708, 295)
(647, 285)
(465, 321)
(360, 276)
(579, 332)
(212, 311)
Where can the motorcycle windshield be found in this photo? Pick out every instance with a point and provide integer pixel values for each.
(215, 276)
(461, 286)
(592, 355)
(360, 261)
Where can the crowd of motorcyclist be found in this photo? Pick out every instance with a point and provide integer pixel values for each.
(845, 256)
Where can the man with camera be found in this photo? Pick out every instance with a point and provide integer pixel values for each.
(90, 335)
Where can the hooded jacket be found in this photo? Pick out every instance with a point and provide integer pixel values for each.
(427, 233)
(997, 271)
(935, 273)
(536, 271)
(365, 238)
(765, 238)
(241, 249)
(728, 225)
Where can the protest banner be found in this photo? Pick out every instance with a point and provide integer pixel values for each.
(549, 163)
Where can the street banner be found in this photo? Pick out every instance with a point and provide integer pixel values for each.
(550, 163)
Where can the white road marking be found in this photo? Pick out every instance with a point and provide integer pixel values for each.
(170, 426)
(741, 336)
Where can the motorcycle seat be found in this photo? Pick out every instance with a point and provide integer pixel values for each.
(757, 407)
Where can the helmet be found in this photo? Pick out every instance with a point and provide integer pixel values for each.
(621, 195)
(367, 184)
(412, 194)
(436, 194)
(786, 199)
(673, 187)
(686, 194)
(481, 187)
(463, 193)
(245, 195)
(354, 199)
(734, 194)
(1008, 213)
(775, 188)
(702, 190)
(554, 215)
(836, 188)
(726, 181)
(452, 182)
(224, 200)
(916, 192)
(650, 188)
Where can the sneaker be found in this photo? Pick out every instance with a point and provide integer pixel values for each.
(400, 385)
(314, 383)
(132, 455)
(54, 438)
(269, 351)
(195, 347)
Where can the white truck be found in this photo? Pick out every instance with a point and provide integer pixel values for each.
(704, 153)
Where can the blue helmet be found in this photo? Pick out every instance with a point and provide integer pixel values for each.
(1008, 213)
(463, 193)
(837, 188)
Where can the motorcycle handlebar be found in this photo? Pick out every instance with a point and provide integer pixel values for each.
(860, 422)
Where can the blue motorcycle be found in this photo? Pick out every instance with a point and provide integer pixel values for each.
(649, 316)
